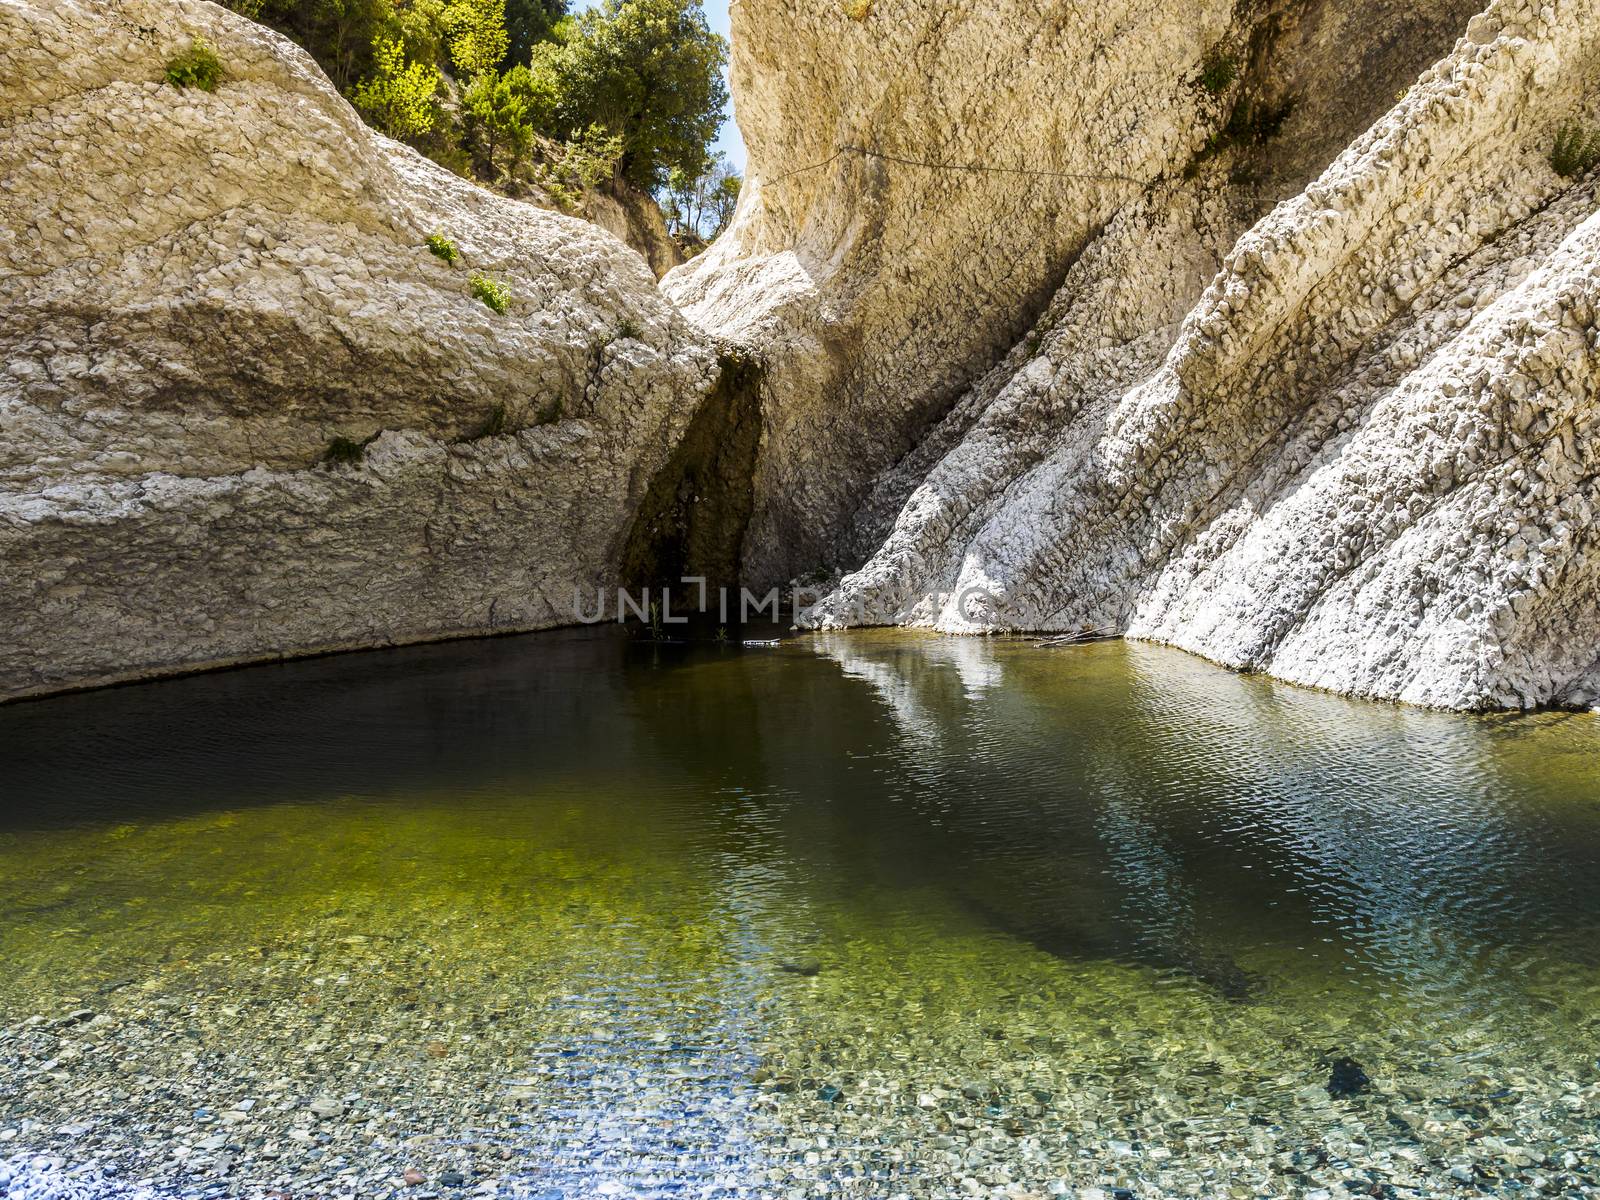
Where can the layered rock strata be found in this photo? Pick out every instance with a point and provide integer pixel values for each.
(245, 412)
(1361, 455)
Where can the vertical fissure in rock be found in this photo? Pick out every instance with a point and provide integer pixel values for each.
(692, 521)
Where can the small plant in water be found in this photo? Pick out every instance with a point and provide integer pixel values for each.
(1218, 72)
(492, 292)
(198, 66)
(442, 247)
(1576, 151)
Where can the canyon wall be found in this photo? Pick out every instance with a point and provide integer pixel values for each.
(1265, 329)
(1315, 390)
(245, 412)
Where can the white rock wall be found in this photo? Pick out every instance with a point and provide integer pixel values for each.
(923, 176)
(919, 181)
(200, 291)
(1365, 461)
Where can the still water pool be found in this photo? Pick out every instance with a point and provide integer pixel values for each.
(869, 915)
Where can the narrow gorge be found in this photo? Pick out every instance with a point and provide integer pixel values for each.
(1025, 626)
(1264, 330)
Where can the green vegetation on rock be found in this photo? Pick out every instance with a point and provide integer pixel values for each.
(1576, 151)
(492, 292)
(494, 425)
(343, 451)
(197, 67)
(1218, 72)
(442, 247)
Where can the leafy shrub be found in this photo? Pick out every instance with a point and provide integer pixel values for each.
(628, 328)
(1576, 151)
(198, 66)
(858, 10)
(568, 199)
(591, 155)
(342, 451)
(1218, 72)
(492, 292)
(399, 97)
(549, 414)
(590, 160)
(442, 247)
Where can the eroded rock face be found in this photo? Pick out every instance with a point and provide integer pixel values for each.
(200, 292)
(924, 177)
(1040, 332)
(629, 214)
(1365, 458)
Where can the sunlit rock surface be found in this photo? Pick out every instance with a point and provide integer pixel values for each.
(200, 292)
(1054, 328)
(1362, 456)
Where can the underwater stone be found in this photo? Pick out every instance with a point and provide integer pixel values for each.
(1347, 1078)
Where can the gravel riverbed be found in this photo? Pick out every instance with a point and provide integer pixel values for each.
(347, 1065)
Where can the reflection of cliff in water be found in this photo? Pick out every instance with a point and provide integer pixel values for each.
(1111, 802)
(1134, 803)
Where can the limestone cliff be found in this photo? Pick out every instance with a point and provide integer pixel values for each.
(1264, 329)
(203, 293)
(627, 213)
(1347, 438)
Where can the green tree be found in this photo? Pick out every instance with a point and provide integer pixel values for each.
(698, 207)
(399, 98)
(724, 200)
(590, 156)
(340, 34)
(649, 71)
(420, 24)
(477, 34)
(529, 22)
(499, 113)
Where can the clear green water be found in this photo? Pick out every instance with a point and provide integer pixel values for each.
(575, 912)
